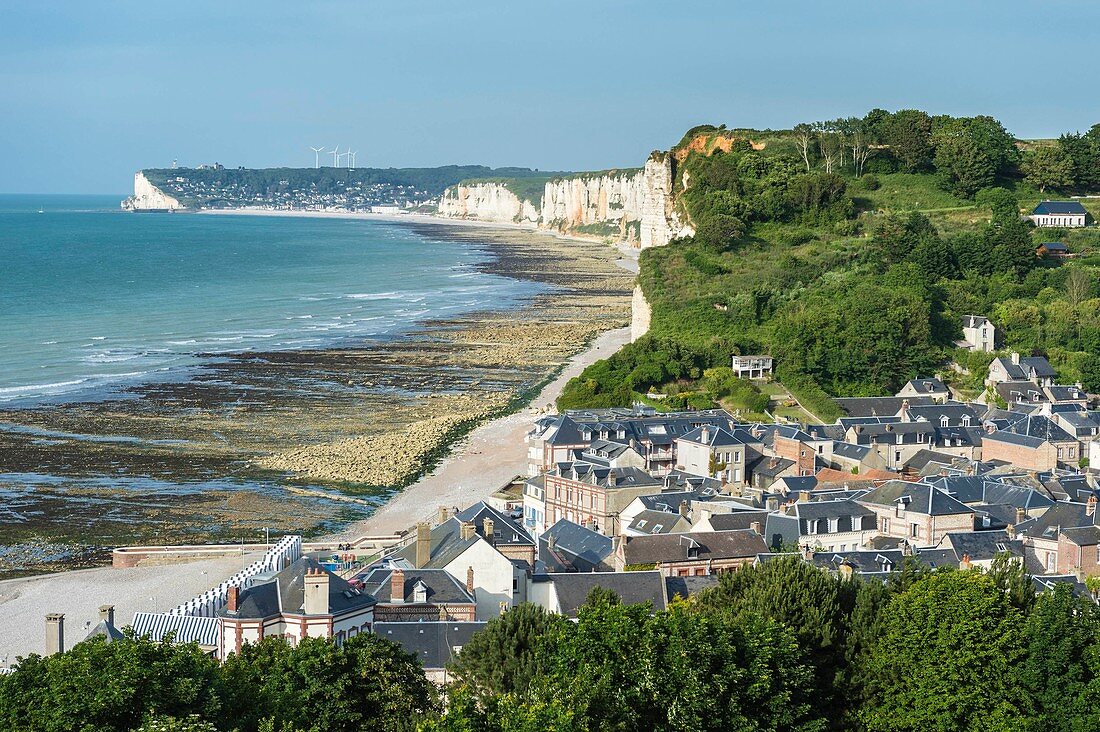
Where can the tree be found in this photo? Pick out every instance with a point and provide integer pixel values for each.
(859, 142)
(66, 691)
(1083, 154)
(1090, 373)
(505, 657)
(1049, 167)
(803, 139)
(961, 165)
(830, 144)
(908, 133)
(1059, 671)
(367, 681)
(947, 658)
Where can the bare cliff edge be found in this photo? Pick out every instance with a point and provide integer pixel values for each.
(147, 197)
(635, 206)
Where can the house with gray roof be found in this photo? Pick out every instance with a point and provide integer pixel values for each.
(926, 386)
(979, 548)
(565, 593)
(825, 525)
(689, 554)
(569, 547)
(1060, 214)
(648, 523)
(304, 599)
(1033, 442)
(1036, 369)
(435, 644)
(978, 334)
(410, 595)
(918, 513)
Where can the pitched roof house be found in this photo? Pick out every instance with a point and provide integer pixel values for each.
(1062, 214)
(689, 554)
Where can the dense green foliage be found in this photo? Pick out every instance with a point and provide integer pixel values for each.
(785, 646)
(780, 646)
(856, 281)
(368, 683)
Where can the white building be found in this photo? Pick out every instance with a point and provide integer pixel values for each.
(978, 334)
(1061, 214)
(752, 367)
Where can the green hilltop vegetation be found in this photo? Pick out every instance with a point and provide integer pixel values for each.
(849, 250)
(782, 646)
(268, 181)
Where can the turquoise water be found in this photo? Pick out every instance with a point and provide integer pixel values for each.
(93, 298)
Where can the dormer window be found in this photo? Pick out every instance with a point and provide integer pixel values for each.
(966, 420)
(420, 592)
(944, 421)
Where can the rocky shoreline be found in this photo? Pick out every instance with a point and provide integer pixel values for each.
(301, 440)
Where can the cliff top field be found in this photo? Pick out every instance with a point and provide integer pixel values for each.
(849, 250)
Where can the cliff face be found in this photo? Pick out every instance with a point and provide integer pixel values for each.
(147, 197)
(640, 314)
(486, 202)
(635, 206)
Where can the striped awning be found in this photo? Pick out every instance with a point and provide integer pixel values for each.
(185, 628)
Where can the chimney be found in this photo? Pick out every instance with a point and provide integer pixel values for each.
(772, 504)
(905, 407)
(470, 580)
(316, 592)
(1010, 531)
(55, 633)
(423, 544)
(487, 529)
(773, 462)
(444, 514)
(705, 435)
(1090, 506)
(1021, 516)
(611, 478)
(107, 612)
(467, 531)
(965, 565)
(804, 496)
(807, 553)
(1015, 358)
(845, 571)
(551, 542)
(685, 508)
(397, 585)
(757, 527)
(233, 598)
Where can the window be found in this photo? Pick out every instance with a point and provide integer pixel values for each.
(899, 439)
(944, 421)
(920, 437)
(914, 530)
(1059, 453)
(834, 525)
(966, 420)
(885, 525)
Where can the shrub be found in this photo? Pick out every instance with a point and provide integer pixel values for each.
(869, 182)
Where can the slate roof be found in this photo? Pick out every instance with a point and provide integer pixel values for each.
(715, 437)
(850, 451)
(106, 630)
(433, 643)
(863, 561)
(1037, 365)
(878, 406)
(974, 321)
(691, 547)
(506, 530)
(685, 587)
(921, 458)
(1056, 208)
(445, 545)
(1044, 583)
(1061, 516)
(700, 485)
(659, 522)
(631, 587)
(576, 548)
(284, 593)
(1038, 426)
(981, 545)
(927, 385)
(796, 483)
(625, 425)
(922, 498)
(666, 501)
(736, 520)
(441, 587)
(626, 477)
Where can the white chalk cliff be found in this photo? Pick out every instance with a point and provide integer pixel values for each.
(147, 197)
(635, 206)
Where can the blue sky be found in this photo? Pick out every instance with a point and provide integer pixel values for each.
(91, 91)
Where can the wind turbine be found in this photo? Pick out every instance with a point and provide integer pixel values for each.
(335, 152)
(317, 155)
(351, 158)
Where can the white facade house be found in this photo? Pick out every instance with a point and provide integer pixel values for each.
(1060, 214)
(752, 367)
(978, 334)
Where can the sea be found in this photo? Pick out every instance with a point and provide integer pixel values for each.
(99, 306)
(94, 299)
